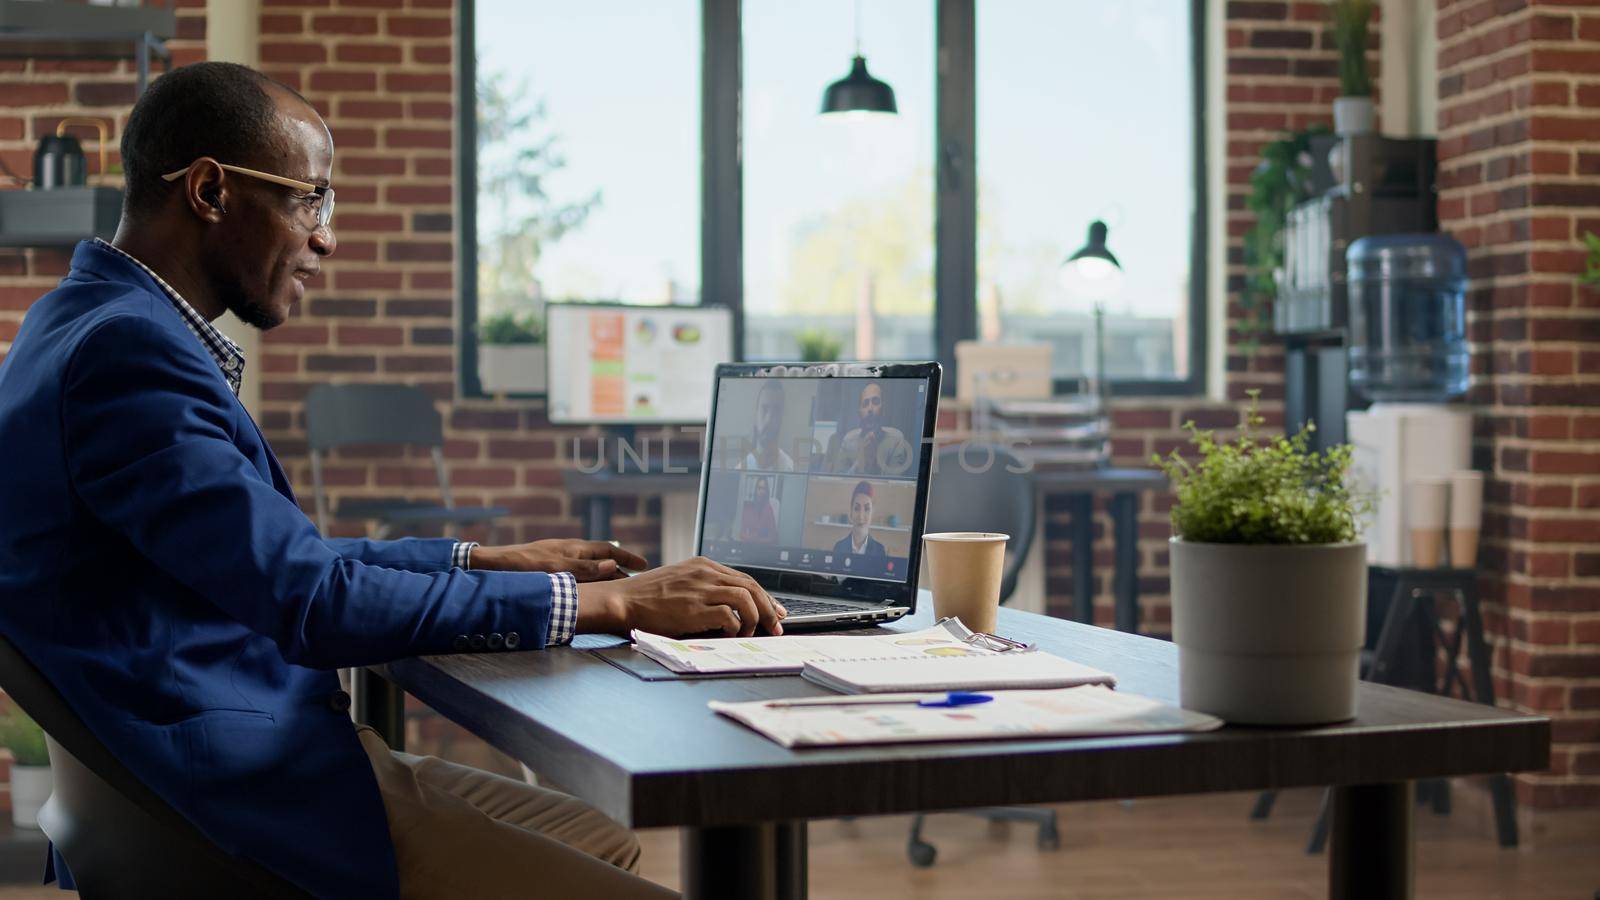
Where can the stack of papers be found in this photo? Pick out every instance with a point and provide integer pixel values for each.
(1070, 712)
(788, 654)
(952, 673)
(947, 656)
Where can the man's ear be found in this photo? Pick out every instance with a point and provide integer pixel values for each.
(205, 189)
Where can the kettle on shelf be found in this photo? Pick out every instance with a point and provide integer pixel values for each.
(58, 162)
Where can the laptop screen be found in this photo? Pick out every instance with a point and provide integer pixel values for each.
(820, 476)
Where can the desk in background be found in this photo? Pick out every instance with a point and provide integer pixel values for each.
(650, 755)
(1124, 486)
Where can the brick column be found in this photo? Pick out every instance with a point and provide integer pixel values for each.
(1519, 122)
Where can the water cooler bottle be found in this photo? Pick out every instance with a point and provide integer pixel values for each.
(1408, 355)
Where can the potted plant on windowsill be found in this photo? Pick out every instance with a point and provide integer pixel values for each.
(818, 345)
(1269, 584)
(511, 354)
(1353, 111)
(30, 767)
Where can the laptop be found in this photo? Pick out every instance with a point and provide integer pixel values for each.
(815, 483)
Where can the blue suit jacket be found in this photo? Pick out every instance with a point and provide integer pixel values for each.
(155, 566)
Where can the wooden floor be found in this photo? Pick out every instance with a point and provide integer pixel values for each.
(1198, 848)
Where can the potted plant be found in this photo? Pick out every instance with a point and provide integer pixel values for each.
(511, 355)
(30, 767)
(818, 345)
(1352, 111)
(1269, 583)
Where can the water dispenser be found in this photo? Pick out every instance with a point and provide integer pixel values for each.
(1408, 328)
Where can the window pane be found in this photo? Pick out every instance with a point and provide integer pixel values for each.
(1084, 113)
(589, 152)
(838, 210)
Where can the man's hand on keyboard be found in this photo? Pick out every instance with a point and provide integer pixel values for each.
(690, 597)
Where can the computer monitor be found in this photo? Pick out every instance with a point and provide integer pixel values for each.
(613, 364)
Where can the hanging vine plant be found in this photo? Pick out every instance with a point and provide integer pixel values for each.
(1281, 180)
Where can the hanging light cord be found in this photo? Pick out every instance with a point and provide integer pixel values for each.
(858, 27)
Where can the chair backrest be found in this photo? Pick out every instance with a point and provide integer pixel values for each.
(119, 838)
(977, 487)
(338, 414)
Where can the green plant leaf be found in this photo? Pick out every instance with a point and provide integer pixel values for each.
(511, 328)
(25, 739)
(1255, 490)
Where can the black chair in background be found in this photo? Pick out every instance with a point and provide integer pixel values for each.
(341, 414)
(983, 488)
(120, 839)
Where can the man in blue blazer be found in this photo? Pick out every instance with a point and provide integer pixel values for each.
(155, 565)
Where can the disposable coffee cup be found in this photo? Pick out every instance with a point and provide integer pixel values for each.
(1427, 511)
(1466, 517)
(964, 569)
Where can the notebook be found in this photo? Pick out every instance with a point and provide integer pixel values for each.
(788, 654)
(1017, 715)
(1001, 671)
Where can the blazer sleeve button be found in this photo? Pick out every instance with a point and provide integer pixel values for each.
(476, 642)
(460, 644)
(339, 701)
(513, 640)
(496, 640)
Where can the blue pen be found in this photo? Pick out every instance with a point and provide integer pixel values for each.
(953, 698)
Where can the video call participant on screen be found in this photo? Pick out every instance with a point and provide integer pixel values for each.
(860, 542)
(871, 448)
(767, 453)
(758, 524)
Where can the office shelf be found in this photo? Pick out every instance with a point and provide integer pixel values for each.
(30, 29)
(60, 217)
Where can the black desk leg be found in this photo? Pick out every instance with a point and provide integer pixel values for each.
(1081, 507)
(379, 703)
(1372, 849)
(597, 519)
(1505, 809)
(1125, 524)
(745, 862)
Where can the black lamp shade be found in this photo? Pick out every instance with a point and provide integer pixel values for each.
(859, 92)
(1096, 246)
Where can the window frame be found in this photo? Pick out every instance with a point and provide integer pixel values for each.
(955, 202)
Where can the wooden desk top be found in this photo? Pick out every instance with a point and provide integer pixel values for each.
(651, 754)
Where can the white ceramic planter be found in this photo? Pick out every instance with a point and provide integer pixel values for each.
(1269, 634)
(30, 788)
(1354, 115)
(511, 368)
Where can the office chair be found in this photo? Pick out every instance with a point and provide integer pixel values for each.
(341, 414)
(972, 493)
(118, 837)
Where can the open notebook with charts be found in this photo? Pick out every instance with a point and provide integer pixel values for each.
(946, 656)
(1070, 712)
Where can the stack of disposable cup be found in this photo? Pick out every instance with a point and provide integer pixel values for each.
(1427, 511)
(1466, 515)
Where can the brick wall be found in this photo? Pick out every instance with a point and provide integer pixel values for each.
(1519, 153)
(35, 95)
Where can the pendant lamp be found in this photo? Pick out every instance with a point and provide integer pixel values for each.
(859, 92)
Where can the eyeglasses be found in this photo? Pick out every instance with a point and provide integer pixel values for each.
(322, 208)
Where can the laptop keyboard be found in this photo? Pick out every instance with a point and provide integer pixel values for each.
(798, 606)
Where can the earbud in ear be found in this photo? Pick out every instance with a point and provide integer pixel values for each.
(216, 202)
